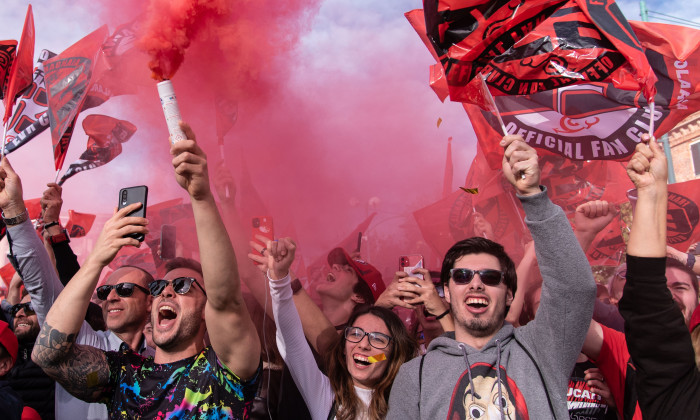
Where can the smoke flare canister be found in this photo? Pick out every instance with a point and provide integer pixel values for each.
(171, 111)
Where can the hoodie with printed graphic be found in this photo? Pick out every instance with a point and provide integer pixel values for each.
(520, 373)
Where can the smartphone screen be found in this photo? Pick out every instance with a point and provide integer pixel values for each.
(132, 195)
(408, 263)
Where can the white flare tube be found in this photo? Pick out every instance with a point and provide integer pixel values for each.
(171, 111)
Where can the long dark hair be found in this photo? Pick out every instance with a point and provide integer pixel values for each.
(403, 348)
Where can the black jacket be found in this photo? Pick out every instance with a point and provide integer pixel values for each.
(31, 383)
(668, 381)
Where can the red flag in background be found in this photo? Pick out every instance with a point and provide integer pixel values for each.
(538, 45)
(126, 65)
(105, 138)
(33, 208)
(598, 121)
(29, 117)
(8, 51)
(69, 77)
(22, 67)
(683, 214)
(492, 213)
(226, 115)
(7, 271)
(79, 224)
(251, 204)
(449, 171)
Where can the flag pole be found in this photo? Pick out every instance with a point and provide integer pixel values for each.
(221, 154)
(4, 136)
(58, 172)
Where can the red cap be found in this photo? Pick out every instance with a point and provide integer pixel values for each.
(9, 340)
(30, 414)
(364, 270)
(695, 319)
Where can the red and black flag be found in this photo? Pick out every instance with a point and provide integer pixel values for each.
(21, 70)
(69, 78)
(598, 121)
(79, 224)
(523, 48)
(105, 138)
(29, 118)
(8, 51)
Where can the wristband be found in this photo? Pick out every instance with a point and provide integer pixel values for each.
(690, 262)
(60, 238)
(12, 221)
(51, 224)
(442, 315)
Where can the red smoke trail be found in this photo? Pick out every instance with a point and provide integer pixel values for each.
(170, 28)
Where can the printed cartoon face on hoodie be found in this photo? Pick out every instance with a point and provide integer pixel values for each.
(480, 399)
(478, 310)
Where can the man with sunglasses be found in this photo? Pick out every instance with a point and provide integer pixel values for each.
(487, 368)
(125, 316)
(185, 378)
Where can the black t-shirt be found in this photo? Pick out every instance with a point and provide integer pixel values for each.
(198, 387)
(583, 403)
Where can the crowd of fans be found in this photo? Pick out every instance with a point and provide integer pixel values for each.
(493, 340)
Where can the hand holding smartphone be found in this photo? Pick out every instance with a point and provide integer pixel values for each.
(262, 226)
(408, 263)
(133, 195)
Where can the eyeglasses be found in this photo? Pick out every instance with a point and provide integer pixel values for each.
(376, 339)
(27, 306)
(181, 285)
(488, 276)
(122, 289)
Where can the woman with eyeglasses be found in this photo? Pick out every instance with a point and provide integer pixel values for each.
(362, 363)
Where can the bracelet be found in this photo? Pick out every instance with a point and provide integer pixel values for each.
(690, 262)
(50, 224)
(12, 221)
(442, 315)
(60, 238)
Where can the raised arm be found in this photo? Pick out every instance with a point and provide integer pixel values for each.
(231, 330)
(591, 217)
(64, 258)
(83, 370)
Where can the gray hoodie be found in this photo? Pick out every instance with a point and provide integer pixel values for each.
(455, 381)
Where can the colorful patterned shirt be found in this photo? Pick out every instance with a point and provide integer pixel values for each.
(198, 387)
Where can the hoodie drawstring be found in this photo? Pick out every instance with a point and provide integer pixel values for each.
(469, 369)
(498, 375)
(501, 408)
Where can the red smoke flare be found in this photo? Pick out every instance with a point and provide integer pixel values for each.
(170, 28)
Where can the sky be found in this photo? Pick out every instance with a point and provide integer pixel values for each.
(338, 120)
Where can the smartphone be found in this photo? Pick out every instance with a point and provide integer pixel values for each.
(167, 242)
(408, 263)
(134, 195)
(262, 225)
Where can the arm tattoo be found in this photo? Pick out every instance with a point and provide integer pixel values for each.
(81, 370)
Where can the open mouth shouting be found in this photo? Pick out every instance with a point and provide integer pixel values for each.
(361, 361)
(167, 314)
(476, 304)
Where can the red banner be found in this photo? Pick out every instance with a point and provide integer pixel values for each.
(8, 51)
(598, 121)
(79, 224)
(683, 214)
(105, 136)
(527, 47)
(7, 271)
(33, 208)
(69, 77)
(22, 67)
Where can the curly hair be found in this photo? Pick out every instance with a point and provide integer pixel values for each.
(403, 348)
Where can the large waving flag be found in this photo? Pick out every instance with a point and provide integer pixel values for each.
(105, 138)
(599, 121)
(21, 70)
(8, 51)
(29, 117)
(527, 47)
(69, 77)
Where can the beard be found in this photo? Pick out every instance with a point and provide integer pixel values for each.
(185, 332)
(481, 326)
(28, 335)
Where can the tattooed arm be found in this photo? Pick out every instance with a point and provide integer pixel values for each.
(81, 370)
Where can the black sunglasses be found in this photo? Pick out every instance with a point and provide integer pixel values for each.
(181, 285)
(488, 276)
(376, 339)
(122, 289)
(27, 306)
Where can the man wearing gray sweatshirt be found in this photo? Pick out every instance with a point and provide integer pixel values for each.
(487, 369)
